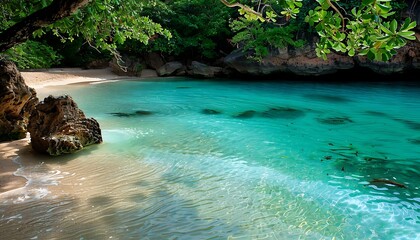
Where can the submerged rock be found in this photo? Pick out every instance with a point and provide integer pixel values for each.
(17, 102)
(143, 112)
(210, 111)
(410, 124)
(57, 126)
(414, 141)
(327, 98)
(246, 114)
(376, 114)
(335, 120)
(283, 112)
(136, 113)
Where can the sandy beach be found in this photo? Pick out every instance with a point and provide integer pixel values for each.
(39, 79)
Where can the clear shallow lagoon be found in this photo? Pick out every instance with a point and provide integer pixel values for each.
(196, 159)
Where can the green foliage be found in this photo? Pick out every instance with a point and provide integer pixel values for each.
(13, 11)
(370, 30)
(367, 27)
(196, 26)
(31, 54)
(103, 24)
(256, 36)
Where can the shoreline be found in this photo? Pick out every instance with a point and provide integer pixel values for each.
(41, 79)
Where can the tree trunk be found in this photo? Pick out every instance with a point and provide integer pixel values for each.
(22, 30)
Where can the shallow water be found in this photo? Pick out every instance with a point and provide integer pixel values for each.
(187, 159)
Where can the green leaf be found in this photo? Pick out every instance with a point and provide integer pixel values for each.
(101, 6)
(411, 25)
(386, 30)
(408, 37)
(393, 26)
(383, 8)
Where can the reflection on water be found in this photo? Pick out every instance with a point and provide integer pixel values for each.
(188, 159)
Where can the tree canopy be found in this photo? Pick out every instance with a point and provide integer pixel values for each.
(103, 24)
(369, 27)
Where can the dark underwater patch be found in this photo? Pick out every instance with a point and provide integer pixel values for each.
(133, 114)
(376, 114)
(414, 141)
(246, 114)
(122, 114)
(208, 111)
(335, 120)
(327, 98)
(143, 112)
(283, 112)
(409, 123)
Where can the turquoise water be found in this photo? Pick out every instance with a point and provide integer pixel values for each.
(196, 159)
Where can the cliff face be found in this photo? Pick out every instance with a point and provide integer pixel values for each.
(305, 62)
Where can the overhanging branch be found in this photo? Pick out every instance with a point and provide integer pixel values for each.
(22, 30)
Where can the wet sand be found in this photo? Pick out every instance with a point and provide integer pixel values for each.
(40, 79)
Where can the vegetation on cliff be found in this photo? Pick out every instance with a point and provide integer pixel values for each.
(199, 29)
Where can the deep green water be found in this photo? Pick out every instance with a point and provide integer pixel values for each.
(196, 159)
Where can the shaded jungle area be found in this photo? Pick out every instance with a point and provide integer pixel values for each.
(147, 34)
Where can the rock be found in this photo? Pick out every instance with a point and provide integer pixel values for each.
(136, 113)
(57, 126)
(148, 73)
(302, 65)
(335, 120)
(97, 64)
(241, 63)
(283, 112)
(246, 114)
(202, 70)
(407, 58)
(169, 68)
(129, 66)
(302, 61)
(154, 60)
(208, 111)
(17, 101)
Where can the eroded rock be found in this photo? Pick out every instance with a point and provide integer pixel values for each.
(202, 70)
(17, 102)
(170, 68)
(57, 126)
(303, 61)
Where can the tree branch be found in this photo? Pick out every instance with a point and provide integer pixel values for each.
(22, 30)
(339, 13)
(244, 7)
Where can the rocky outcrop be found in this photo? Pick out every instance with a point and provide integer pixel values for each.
(97, 64)
(407, 58)
(154, 60)
(170, 68)
(17, 101)
(301, 62)
(57, 126)
(202, 70)
(304, 62)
